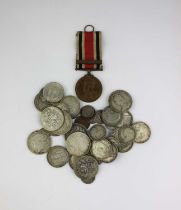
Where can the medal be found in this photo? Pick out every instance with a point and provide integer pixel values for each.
(88, 58)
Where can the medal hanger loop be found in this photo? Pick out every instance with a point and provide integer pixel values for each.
(89, 26)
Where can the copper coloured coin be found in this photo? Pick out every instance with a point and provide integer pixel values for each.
(88, 88)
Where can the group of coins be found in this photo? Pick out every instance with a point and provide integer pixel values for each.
(92, 137)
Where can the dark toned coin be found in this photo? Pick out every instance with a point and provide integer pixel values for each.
(83, 121)
(87, 111)
(88, 88)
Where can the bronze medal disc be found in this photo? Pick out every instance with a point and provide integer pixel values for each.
(88, 88)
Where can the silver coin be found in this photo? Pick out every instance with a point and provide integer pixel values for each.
(63, 106)
(88, 180)
(73, 104)
(87, 111)
(126, 134)
(111, 118)
(39, 102)
(53, 92)
(72, 161)
(86, 167)
(97, 132)
(125, 147)
(78, 144)
(113, 155)
(57, 156)
(101, 149)
(51, 118)
(143, 132)
(76, 128)
(120, 101)
(65, 127)
(97, 118)
(127, 119)
(38, 142)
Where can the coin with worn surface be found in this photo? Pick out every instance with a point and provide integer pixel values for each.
(101, 149)
(126, 134)
(88, 88)
(86, 167)
(51, 118)
(125, 147)
(83, 121)
(97, 132)
(39, 102)
(53, 92)
(62, 106)
(78, 144)
(97, 118)
(57, 156)
(88, 180)
(73, 104)
(127, 119)
(65, 127)
(76, 128)
(72, 161)
(113, 155)
(87, 111)
(143, 132)
(38, 142)
(110, 117)
(120, 101)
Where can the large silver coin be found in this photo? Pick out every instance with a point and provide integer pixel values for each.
(127, 119)
(143, 132)
(73, 104)
(57, 156)
(113, 155)
(78, 144)
(97, 118)
(53, 92)
(126, 134)
(86, 167)
(51, 118)
(120, 101)
(111, 118)
(65, 127)
(101, 149)
(87, 111)
(38, 142)
(97, 132)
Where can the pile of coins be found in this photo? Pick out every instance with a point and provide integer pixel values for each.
(91, 136)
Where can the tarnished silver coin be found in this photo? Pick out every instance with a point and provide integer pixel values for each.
(53, 92)
(97, 118)
(143, 132)
(78, 144)
(38, 142)
(72, 161)
(65, 127)
(113, 155)
(88, 180)
(127, 119)
(51, 118)
(110, 117)
(76, 128)
(97, 132)
(86, 167)
(73, 104)
(57, 156)
(101, 149)
(87, 111)
(39, 102)
(63, 106)
(126, 134)
(125, 147)
(120, 101)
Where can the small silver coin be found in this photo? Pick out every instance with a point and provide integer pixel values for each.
(57, 156)
(78, 144)
(126, 134)
(113, 155)
(38, 142)
(143, 132)
(88, 180)
(39, 102)
(73, 104)
(87, 111)
(86, 167)
(51, 118)
(76, 128)
(127, 119)
(63, 106)
(101, 149)
(97, 118)
(65, 127)
(53, 92)
(120, 101)
(125, 147)
(110, 117)
(72, 161)
(97, 132)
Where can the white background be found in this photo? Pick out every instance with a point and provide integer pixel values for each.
(141, 54)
